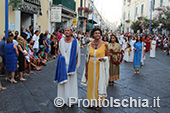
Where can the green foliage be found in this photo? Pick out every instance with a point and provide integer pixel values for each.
(164, 18)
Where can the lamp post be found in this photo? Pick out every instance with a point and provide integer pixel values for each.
(6, 19)
(92, 14)
(150, 17)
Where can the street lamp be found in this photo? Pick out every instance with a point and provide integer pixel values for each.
(6, 19)
(150, 17)
(92, 14)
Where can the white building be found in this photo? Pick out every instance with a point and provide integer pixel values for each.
(137, 9)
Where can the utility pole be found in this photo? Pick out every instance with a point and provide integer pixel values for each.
(150, 17)
(6, 19)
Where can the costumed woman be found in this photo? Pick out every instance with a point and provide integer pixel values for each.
(96, 74)
(153, 48)
(137, 55)
(115, 60)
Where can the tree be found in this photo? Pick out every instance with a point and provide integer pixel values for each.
(136, 26)
(163, 18)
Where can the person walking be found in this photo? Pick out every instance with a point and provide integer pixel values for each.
(96, 75)
(67, 64)
(137, 55)
(115, 59)
(153, 47)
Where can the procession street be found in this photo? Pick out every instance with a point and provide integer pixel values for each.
(39, 91)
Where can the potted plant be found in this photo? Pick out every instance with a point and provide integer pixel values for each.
(90, 11)
(80, 9)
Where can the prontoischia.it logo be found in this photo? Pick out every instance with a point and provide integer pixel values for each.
(111, 102)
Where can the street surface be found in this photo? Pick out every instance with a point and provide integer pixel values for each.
(36, 95)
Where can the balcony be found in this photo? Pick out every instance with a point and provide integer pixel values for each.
(158, 8)
(127, 20)
(140, 17)
(71, 4)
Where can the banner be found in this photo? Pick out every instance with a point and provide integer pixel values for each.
(74, 21)
(56, 14)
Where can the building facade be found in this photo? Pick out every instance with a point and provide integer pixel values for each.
(62, 13)
(26, 13)
(138, 9)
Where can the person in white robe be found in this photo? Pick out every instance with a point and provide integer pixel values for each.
(127, 53)
(132, 42)
(124, 43)
(153, 48)
(70, 88)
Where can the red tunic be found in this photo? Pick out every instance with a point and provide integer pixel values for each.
(147, 44)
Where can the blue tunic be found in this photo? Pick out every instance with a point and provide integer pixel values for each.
(137, 56)
(10, 57)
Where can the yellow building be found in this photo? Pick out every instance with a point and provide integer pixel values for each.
(31, 12)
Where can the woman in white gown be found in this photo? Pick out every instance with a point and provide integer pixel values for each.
(127, 53)
(132, 42)
(124, 43)
(153, 48)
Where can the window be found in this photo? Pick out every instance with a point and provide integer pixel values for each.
(129, 15)
(142, 9)
(124, 2)
(136, 11)
(124, 16)
(161, 3)
(81, 3)
(89, 5)
(153, 5)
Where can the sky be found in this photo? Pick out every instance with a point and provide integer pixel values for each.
(110, 9)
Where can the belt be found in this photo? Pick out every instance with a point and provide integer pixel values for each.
(94, 59)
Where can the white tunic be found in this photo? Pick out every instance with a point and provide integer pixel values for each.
(124, 44)
(132, 42)
(153, 47)
(69, 89)
(126, 56)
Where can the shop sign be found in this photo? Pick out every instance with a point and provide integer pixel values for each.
(35, 2)
(56, 14)
(15, 3)
(25, 7)
(74, 21)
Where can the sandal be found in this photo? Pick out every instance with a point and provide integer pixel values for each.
(31, 72)
(89, 107)
(7, 79)
(25, 74)
(98, 108)
(22, 79)
(3, 88)
(13, 81)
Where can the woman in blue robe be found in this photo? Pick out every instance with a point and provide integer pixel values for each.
(137, 55)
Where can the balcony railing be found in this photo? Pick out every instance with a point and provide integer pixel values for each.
(71, 4)
(127, 20)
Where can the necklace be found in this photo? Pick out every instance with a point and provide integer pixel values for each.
(67, 45)
(96, 46)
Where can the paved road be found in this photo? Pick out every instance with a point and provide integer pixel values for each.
(38, 92)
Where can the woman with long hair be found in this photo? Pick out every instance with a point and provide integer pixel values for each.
(137, 55)
(114, 53)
